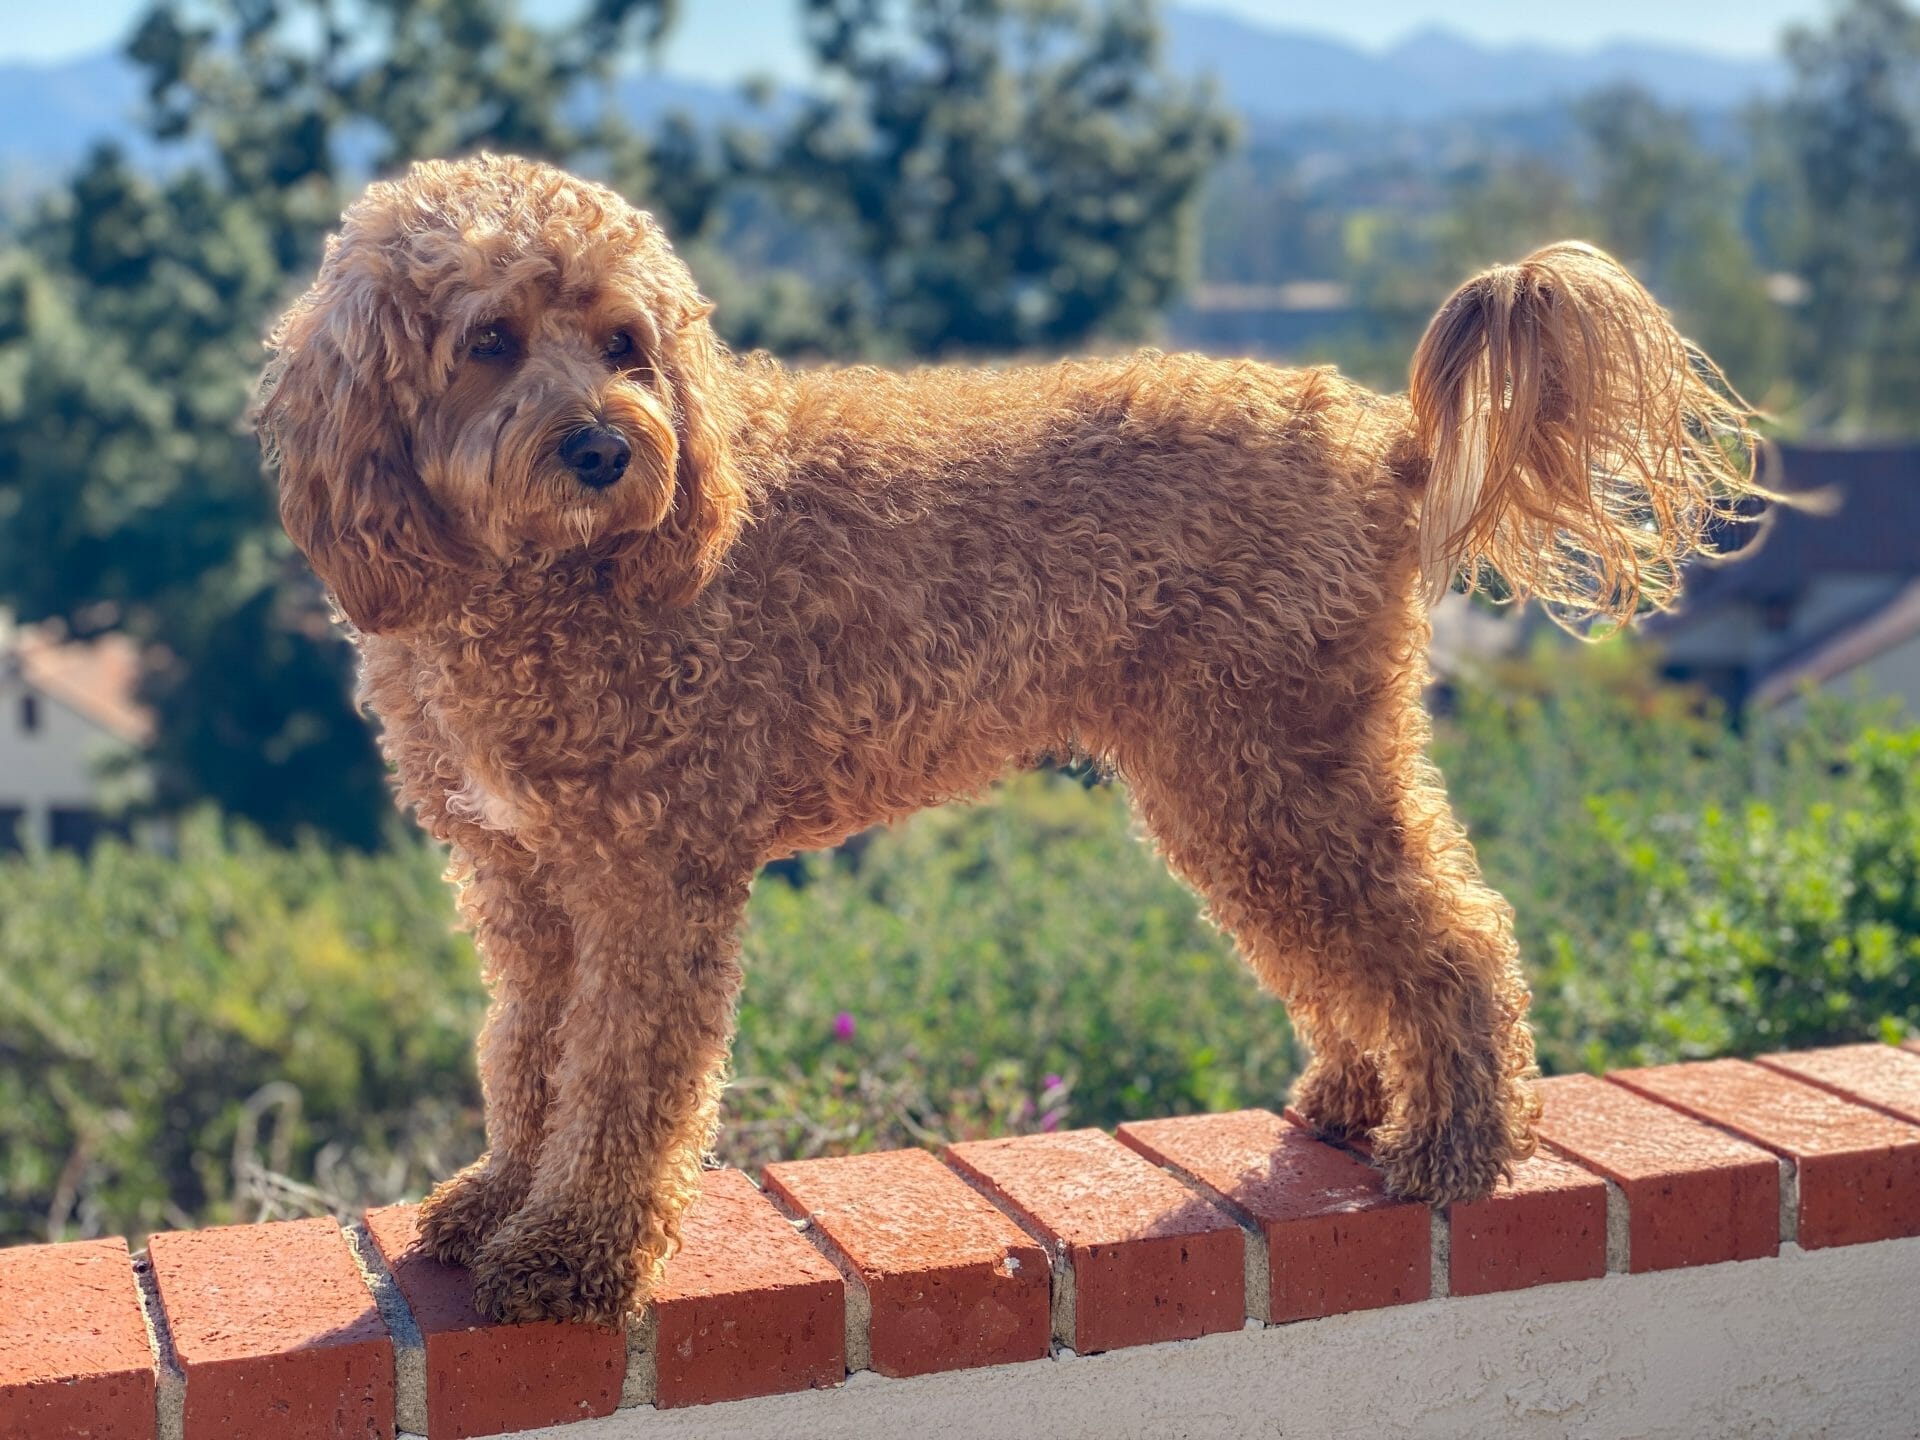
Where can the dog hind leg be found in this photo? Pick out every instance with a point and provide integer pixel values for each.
(1353, 894)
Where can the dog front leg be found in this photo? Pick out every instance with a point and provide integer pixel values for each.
(642, 1049)
(526, 944)
(1341, 1092)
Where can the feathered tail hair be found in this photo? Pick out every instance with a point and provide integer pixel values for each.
(1580, 448)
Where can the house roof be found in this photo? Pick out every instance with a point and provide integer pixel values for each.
(99, 679)
(1873, 527)
(1892, 624)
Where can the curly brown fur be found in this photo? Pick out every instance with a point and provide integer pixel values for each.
(817, 601)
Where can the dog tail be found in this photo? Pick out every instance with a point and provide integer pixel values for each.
(1580, 448)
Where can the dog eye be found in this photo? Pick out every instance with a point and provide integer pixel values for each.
(489, 342)
(619, 345)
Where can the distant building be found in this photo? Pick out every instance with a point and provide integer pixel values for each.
(1829, 600)
(71, 731)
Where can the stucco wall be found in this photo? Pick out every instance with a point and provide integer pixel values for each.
(1812, 1344)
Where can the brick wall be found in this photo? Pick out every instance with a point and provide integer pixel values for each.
(936, 1270)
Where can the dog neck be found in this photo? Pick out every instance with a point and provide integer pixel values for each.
(539, 594)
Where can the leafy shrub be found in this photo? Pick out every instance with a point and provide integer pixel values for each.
(1766, 926)
(154, 1010)
(977, 951)
(243, 1030)
(1683, 888)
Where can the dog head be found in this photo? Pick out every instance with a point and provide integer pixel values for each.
(499, 360)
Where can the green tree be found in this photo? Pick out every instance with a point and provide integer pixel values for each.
(1003, 174)
(1854, 131)
(130, 497)
(1643, 186)
(1672, 211)
(296, 97)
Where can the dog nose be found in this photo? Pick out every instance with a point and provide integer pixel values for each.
(597, 455)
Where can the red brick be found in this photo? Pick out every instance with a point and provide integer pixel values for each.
(1546, 1225)
(1695, 1195)
(484, 1377)
(1858, 1170)
(1335, 1241)
(747, 1307)
(1151, 1259)
(952, 1282)
(275, 1332)
(74, 1359)
(1882, 1076)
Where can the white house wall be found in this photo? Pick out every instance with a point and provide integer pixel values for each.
(59, 765)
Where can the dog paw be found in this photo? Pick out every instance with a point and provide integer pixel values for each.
(1342, 1102)
(1449, 1164)
(463, 1213)
(549, 1269)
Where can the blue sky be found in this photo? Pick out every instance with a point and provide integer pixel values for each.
(723, 39)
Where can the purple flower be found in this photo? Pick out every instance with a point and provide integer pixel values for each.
(1051, 1082)
(1050, 1121)
(843, 1026)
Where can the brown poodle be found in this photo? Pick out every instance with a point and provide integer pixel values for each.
(637, 615)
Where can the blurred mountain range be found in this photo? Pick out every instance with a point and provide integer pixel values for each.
(1277, 76)
(50, 114)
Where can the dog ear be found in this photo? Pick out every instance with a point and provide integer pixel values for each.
(679, 558)
(334, 410)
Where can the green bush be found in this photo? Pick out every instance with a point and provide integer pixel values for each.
(1023, 962)
(1683, 888)
(154, 1010)
(242, 1030)
(1766, 925)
